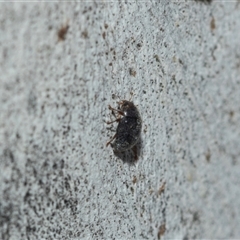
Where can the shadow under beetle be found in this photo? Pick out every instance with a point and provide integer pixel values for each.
(129, 128)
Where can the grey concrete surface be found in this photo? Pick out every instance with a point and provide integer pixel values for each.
(181, 59)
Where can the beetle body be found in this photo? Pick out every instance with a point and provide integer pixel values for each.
(129, 128)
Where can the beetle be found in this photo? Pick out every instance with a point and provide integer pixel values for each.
(129, 127)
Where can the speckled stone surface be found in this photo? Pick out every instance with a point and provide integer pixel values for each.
(61, 65)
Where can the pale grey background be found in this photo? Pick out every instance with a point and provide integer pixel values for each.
(182, 61)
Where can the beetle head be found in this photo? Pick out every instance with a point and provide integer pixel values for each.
(125, 105)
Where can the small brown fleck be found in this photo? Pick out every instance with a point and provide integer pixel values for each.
(134, 179)
(103, 35)
(157, 58)
(161, 230)
(212, 24)
(151, 191)
(85, 34)
(208, 156)
(62, 32)
(161, 189)
(106, 25)
(132, 72)
(231, 113)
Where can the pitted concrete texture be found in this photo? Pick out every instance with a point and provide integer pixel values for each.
(62, 64)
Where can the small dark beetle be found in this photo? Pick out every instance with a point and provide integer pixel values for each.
(128, 129)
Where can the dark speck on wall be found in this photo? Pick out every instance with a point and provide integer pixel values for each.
(62, 32)
(204, 1)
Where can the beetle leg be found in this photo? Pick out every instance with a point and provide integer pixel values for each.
(111, 140)
(116, 120)
(131, 96)
(113, 109)
(135, 152)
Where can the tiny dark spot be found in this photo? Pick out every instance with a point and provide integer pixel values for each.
(9, 154)
(208, 156)
(157, 58)
(134, 179)
(145, 129)
(139, 45)
(40, 182)
(62, 32)
(47, 190)
(161, 230)
(32, 103)
(104, 35)
(106, 25)
(110, 64)
(161, 189)
(144, 92)
(204, 1)
(67, 130)
(195, 217)
(45, 164)
(54, 166)
(180, 61)
(231, 114)
(85, 34)
(132, 72)
(62, 163)
(212, 24)
(27, 195)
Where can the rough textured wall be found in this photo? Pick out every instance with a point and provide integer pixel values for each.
(63, 63)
